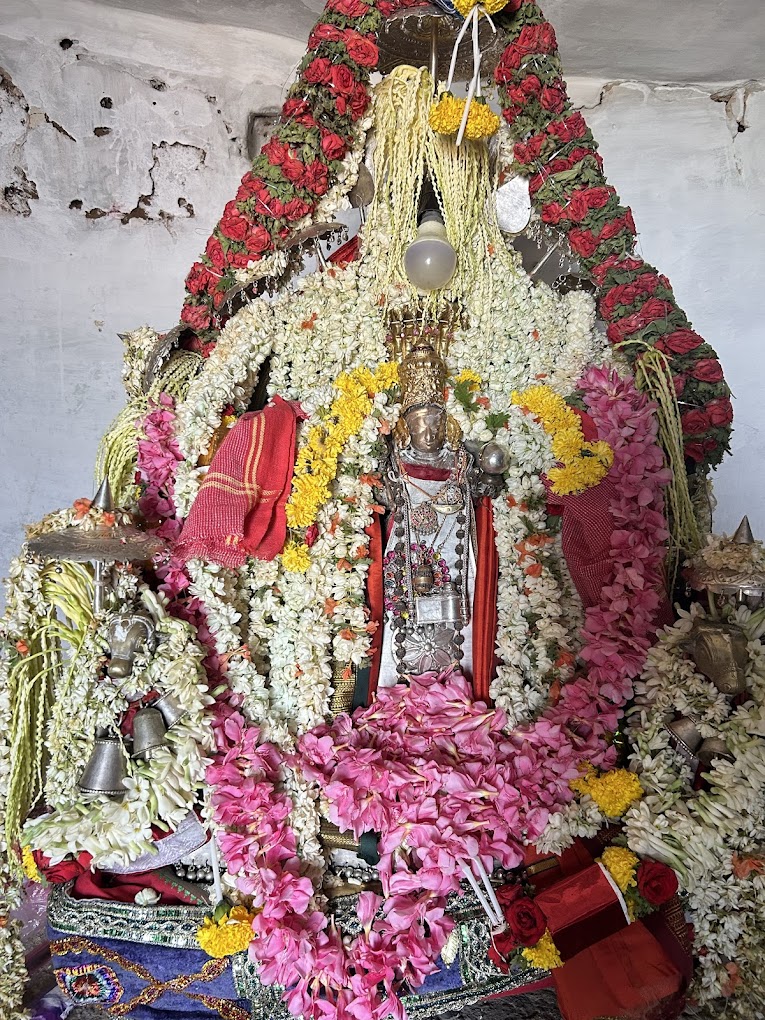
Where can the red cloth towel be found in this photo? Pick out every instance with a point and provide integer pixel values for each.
(239, 511)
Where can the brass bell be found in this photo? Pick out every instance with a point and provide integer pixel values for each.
(713, 747)
(106, 769)
(422, 579)
(148, 731)
(684, 731)
(170, 709)
(720, 653)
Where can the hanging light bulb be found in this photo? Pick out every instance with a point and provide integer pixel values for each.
(430, 260)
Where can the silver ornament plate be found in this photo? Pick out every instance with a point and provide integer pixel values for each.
(514, 205)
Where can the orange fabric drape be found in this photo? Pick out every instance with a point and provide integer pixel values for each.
(375, 599)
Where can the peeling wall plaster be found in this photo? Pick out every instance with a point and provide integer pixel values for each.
(122, 136)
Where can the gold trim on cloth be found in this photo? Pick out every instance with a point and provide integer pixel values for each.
(155, 988)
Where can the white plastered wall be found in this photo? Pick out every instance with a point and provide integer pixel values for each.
(120, 214)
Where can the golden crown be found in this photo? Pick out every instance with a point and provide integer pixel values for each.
(422, 376)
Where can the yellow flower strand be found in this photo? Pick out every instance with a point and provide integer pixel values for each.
(613, 792)
(544, 954)
(621, 864)
(231, 934)
(582, 464)
(464, 7)
(316, 464)
(29, 865)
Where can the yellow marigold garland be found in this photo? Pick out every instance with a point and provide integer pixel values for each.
(470, 378)
(316, 464)
(613, 792)
(29, 865)
(446, 114)
(231, 934)
(621, 864)
(489, 6)
(583, 464)
(544, 954)
(296, 557)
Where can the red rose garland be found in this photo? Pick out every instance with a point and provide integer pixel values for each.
(296, 168)
(557, 152)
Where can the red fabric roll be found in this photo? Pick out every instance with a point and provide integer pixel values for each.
(485, 601)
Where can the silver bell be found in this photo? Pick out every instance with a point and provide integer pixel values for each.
(106, 769)
(713, 747)
(170, 709)
(148, 731)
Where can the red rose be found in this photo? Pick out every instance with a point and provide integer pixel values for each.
(215, 253)
(617, 262)
(525, 921)
(529, 151)
(298, 110)
(694, 422)
(577, 207)
(292, 169)
(341, 80)
(656, 882)
(233, 225)
(570, 129)
(311, 534)
(583, 242)
(269, 205)
(531, 85)
(333, 146)
(612, 228)
(350, 8)
(361, 50)
(219, 296)
(249, 186)
(507, 894)
(257, 240)
(547, 40)
(200, 279)
(237, 260)
(720, 411)
(682, 341)
(552, 212)
(695, 451)
(275, 151)
(508, 64)
(318, 71)
(707, 370)
(359, 102)
(629, 221)
(553, 98)
(196, 316)
(679, 382)
(598, 197)
(324, 33)
(315, 178)
(296, 208)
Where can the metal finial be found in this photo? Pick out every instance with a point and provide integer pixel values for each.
(743, 535)
(103, 498)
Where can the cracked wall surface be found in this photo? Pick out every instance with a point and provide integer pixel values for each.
(122, 135)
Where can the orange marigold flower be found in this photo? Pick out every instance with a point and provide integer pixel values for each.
(344, 565)
(329, 605)
(745, 865)
(347, 634)
(533, 569)
(108, 518)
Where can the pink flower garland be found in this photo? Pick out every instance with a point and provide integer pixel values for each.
(434, 772)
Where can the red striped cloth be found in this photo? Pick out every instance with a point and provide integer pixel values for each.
(239, 511)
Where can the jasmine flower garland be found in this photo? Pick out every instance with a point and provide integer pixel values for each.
(712, 837)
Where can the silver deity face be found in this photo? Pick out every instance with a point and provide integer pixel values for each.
(427, 428)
